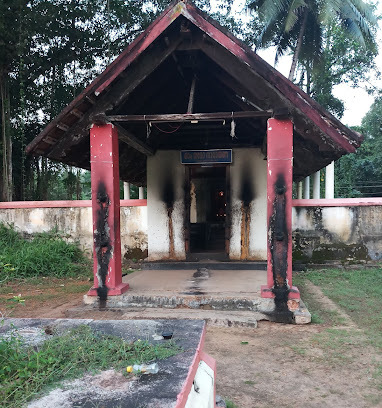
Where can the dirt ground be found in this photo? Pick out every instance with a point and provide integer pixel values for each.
(275, 365)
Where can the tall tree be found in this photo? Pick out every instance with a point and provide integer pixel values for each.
(11, 17)
(300, 25)
(360, 174)
(49, 51)
(342, 60)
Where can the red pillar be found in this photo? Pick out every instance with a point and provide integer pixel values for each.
(279, 209)
(104, 161)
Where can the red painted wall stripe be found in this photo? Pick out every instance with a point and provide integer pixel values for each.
(334, 202)
(65, 204)
(337, 202)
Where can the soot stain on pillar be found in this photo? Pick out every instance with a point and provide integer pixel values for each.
(279, 252)
(246, 196)
(168, 197)
(102, 241)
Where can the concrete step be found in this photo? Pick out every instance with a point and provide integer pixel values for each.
(258, 307)
(212, 317)
(210, 264)
(188, 301)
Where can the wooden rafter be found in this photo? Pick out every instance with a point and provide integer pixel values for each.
(128, 138)
(114, 97)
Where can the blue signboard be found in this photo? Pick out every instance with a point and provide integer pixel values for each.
(206, 156)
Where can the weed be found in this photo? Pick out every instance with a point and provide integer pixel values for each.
(127, 270)
(47, 254)
(249, 382)
(230, 404)
(17, 299)
(24, 371)
(298, 349)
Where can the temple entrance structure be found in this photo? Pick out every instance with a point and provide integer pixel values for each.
(215, 133)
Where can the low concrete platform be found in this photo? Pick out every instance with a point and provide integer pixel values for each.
(171, 387)
(200, 289)
(197, 281)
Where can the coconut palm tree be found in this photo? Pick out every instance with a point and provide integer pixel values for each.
(299, 25)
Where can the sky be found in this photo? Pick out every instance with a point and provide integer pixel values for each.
(357, 101)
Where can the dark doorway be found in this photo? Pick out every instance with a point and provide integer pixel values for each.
(208, 209)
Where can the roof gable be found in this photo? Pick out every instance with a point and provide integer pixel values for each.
(236, 72)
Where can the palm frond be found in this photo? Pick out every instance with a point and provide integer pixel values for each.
(329, 9)
(354, 22)
(294, 11)
(270, 8)
(366, 10)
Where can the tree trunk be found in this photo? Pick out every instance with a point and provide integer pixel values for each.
(297, 50)
(78, 184)
(308, 79)
(6, 139)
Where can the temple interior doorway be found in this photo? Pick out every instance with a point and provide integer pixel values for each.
(208, 209)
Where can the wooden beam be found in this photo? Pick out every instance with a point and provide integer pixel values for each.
(282, 113)
(281, 90)
(187, 117)
(191, 99)
(77, 113)
(227, 81)
(62, 126)
(128, 138)
(249, 79)
(137, 101)
(114, 97)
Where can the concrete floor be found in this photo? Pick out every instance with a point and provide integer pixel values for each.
(221, 297)
(216, 283)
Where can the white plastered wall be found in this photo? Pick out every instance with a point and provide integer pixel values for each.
(162, 168)
(165, 165)
(249, 164)
(77, 224)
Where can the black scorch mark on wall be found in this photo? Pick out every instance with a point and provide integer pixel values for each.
(102, 241)
(246, 196)
(168, 197)
(168, 193)
(247, 191)
(279, 250)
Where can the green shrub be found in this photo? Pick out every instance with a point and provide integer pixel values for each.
(46, 254)
(24, 371)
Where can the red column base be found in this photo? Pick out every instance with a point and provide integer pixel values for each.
(121, 288)
(266, 292)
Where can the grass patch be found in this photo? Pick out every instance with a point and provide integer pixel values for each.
(47, 254)
(320, 315)
(358, 293)
(373, 399)
(230, 404)
(24, 371)
(37, 292)
(336, 343)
